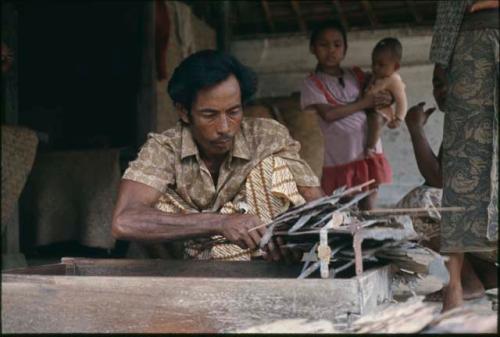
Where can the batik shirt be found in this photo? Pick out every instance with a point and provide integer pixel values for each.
(171, 160)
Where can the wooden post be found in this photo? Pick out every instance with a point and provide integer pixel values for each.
(146, 98)
(224, 27)
(10, 78)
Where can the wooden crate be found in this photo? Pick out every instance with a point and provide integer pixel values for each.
(106, 295)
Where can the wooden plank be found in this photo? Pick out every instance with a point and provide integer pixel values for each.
(69, 304)
(341, 14)
(296, 9)
(267, 13)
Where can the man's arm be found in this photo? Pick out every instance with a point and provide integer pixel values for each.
(136, 219)
(428, 164)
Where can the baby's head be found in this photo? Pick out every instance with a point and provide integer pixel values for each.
(386, 57)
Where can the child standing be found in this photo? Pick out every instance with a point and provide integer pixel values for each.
(334, 92)
(386, 58)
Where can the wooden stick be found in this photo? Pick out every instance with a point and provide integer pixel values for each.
(359, 187)
(410, 210)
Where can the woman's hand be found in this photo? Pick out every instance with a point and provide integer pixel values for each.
(383, 99)
(417, 116)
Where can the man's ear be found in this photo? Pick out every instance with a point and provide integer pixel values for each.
(397, 66)
(182, 112)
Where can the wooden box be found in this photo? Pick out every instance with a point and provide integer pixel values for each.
(106, 295)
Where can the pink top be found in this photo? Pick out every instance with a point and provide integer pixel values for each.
(345, 138)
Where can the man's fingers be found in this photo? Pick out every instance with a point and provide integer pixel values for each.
(249, 242)
(255, 236)
(285, 252)
(273, 251)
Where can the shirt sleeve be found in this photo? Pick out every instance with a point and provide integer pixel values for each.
(301, 171)
(154, 165)
(310, 94)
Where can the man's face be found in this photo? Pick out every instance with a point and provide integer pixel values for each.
(440, 87)
(384, 64)
(216, 116)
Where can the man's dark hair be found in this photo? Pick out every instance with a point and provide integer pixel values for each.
(332, 24)
(391, 44)
(207, 68)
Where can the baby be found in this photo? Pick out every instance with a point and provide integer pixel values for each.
(386, 58)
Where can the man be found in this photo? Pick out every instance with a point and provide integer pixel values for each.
(191, 181)
(478, 271)
(465, 43)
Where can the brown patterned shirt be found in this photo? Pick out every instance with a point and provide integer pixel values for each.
(171, 160)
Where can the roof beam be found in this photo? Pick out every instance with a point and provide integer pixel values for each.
(300, 19)
(413, 10)
(267, 12)
(369, 11)
(341, 14)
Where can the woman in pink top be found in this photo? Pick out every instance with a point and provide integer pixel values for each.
(336, 95)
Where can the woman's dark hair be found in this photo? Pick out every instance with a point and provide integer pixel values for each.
(333, 24)
(207, 68)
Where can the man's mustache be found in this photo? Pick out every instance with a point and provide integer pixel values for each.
(224, 138)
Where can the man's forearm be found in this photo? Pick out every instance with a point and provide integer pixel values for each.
(148, 224)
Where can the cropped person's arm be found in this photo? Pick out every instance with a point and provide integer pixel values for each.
(483, 4)
(428, 163)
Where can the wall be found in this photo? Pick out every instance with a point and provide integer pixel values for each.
(188, 34)
(283, 62)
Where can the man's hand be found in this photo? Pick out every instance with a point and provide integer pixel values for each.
(383, 99)
(417, 116)
(244, 230)
(483, 4)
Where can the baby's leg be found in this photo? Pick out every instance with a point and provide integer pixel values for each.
(375, 124)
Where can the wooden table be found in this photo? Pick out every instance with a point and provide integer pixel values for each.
(106, 295)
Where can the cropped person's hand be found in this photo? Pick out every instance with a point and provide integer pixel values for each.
(417, 116)
(483, 4)
(383, 99)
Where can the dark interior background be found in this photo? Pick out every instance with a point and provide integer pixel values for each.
(79, 71)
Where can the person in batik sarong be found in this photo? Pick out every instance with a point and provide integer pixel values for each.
(465, 43)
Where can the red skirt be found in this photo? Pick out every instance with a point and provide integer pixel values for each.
(356, 173)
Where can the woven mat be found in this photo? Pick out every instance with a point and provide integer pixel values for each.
(18, 154)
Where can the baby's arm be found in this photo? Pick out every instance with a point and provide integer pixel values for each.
(397, 88)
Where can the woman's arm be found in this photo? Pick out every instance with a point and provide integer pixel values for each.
(331, 113)
(428, 164)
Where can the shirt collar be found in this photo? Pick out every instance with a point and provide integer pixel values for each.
(189, 147)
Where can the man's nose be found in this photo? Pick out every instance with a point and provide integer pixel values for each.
(223, 124)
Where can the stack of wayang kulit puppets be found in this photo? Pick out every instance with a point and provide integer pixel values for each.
(336, 238)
